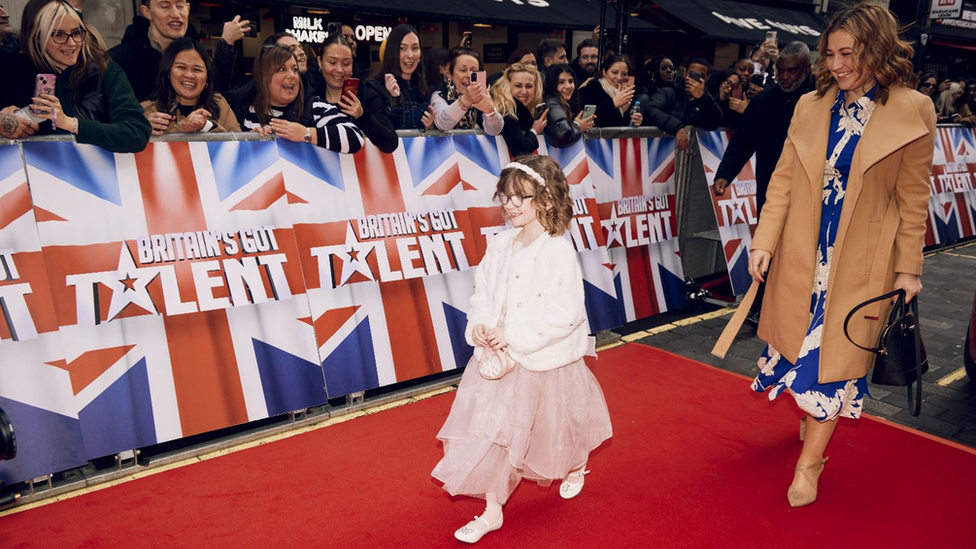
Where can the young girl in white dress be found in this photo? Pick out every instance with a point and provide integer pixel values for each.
(541, 420)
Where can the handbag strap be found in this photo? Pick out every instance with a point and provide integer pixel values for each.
(900, 304)
(916, 405)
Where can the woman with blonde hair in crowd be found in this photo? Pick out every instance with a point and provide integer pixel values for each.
(863, 142)
(945, 105)
(92, 97)
(516, 96)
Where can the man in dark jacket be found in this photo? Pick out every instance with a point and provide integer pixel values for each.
(672, 108)
(587, 59)
(763, 126)
(161, 22)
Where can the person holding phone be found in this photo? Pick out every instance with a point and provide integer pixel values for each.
(463, 102)
(724, 86)
(687, 103)
(566, 121)
(613, 94)
(92, 98)
(400, 91)
(945, 105)
(185, 100)
(517, 96)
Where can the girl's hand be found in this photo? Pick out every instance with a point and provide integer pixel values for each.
(391, 85)
(496, 338)
(292, 131)
(759, 264)
(428, 118)
(912, 284)
(738, 105)
(479, 334)
(350, 105)
(682, 140)
(636, 118)
(160, 122)
(48, 106)
(540, 124)
(585, 124)
(196, 120)
(624, 97)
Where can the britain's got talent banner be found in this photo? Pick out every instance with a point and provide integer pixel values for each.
(736, 211)
(952, 205)
(195, 286)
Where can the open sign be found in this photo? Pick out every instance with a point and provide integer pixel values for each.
(372, 33)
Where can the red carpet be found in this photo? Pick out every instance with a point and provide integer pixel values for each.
(696, 460)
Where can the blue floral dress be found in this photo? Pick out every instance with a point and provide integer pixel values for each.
(823, 401)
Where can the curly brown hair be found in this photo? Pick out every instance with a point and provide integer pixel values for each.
(552, 202)
(877, 48)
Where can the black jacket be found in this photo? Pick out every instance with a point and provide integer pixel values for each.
(561, 130)
(518, 132)
(580, 73)
(374, 122)
(671, 109)
(140, 60)
(761, 131)
(18, 74)
(607, 114)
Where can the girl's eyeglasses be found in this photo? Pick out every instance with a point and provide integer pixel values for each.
(77, 36)
(516, 199)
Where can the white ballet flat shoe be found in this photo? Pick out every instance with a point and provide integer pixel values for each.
(473, 531)
(569, 490)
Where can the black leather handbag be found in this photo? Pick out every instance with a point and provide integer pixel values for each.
(900, 355)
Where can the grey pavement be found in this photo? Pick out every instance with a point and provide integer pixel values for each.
(949, 282)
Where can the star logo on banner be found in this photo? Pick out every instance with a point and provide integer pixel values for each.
(612, 227)
(738, 211)
(354, 260)
(128, 285)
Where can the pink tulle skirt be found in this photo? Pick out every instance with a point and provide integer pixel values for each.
(534, 425)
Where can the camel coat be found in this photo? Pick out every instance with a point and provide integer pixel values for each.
(881, 233)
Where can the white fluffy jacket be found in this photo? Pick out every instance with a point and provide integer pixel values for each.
(545, 322)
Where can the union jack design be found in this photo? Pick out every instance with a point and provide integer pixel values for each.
(161, 337)
(634, 188)
(735, 212)
(952, 206)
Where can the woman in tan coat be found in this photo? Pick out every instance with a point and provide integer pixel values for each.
(844, 230)
(184, 100)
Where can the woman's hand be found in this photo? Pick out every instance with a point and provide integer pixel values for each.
(496, 338)
(350, 105)
(770, 51)
(624, 96)
(636, 119)
(479, 334)
(759, 264)
(160, 122)
(682, 140)
(292, 131)
(391, 85)
(753, 90)
(428, 118)
(195, 121)
(944, 85)
(540, 124)
(585, 124)
(738, 105)
(263, 131)
(912, 284)
(48, 106)
(480, 99)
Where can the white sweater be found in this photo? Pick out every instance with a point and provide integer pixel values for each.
(545, 323)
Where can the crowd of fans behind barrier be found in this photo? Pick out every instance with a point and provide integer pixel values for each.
(161, 79)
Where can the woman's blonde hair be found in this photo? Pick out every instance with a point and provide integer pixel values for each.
(946, 105)
(46, 22)
(552, 202)
(501, 91)
(877, 48)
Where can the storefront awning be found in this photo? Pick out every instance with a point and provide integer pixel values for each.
(744, 22)
(562, 14)
(956, 33)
